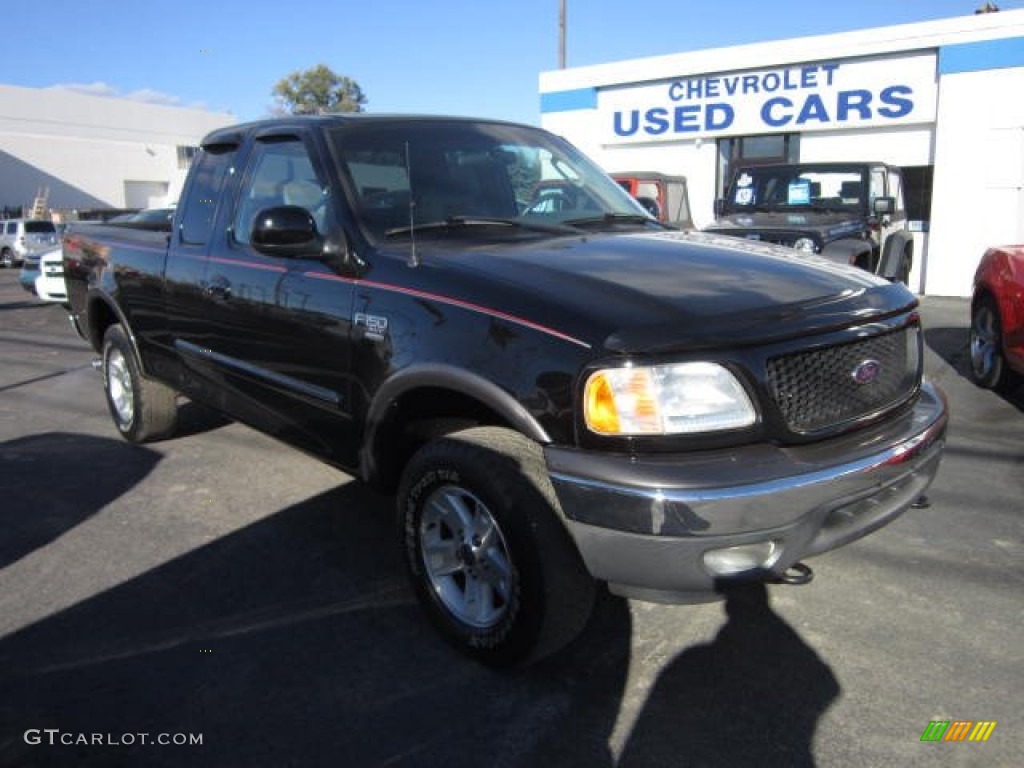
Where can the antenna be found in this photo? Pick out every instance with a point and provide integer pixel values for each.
(414, 257)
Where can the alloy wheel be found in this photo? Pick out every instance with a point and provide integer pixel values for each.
(119, 385)
(984, 342)
(465, 557)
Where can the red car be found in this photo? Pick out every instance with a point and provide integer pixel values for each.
(997, 318)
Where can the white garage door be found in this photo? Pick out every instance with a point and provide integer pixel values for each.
(145, 194)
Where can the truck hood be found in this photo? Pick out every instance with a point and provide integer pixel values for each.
(829, 225)
(667, 291)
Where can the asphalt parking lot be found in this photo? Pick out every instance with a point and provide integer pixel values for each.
(221, 585)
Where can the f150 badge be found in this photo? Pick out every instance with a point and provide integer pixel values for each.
(376, 327)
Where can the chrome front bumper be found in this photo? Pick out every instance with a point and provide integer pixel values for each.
(645, 525)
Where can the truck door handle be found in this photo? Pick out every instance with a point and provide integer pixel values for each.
(218, 288)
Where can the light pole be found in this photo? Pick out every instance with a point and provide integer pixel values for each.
(561, 34)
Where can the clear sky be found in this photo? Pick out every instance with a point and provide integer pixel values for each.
(470, 57)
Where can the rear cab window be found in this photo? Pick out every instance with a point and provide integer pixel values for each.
(204, 193)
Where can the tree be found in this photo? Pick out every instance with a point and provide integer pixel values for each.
(317, 91)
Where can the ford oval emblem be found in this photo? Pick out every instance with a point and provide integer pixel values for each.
(866, 371)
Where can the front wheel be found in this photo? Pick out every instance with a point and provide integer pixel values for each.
(142, 409)
(903, 274)
(489, 557)
(988, 368)
(6, 258)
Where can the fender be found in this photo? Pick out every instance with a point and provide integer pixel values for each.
(892, 254)
(846, 251)
(442, 377)
(94, 333)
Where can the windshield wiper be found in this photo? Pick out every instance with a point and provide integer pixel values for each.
(460, 222)
(614, 218)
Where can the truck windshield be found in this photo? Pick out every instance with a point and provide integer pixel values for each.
(419, 175)
(786, 187)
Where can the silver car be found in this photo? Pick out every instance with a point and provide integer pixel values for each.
(20, 238)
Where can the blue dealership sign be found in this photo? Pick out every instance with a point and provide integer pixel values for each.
(820, 96)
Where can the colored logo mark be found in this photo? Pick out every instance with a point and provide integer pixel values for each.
(958, 730)
(867, 371)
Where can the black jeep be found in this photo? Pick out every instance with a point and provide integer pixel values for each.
(850, 213)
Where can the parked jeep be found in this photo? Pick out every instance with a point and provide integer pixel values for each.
(847, 212)
(664, 197)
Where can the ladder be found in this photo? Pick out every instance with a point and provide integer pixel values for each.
(39, 204)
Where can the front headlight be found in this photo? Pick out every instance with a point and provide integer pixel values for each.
(680, 399)
(806, 244)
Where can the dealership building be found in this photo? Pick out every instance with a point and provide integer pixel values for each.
(940, 99)
(75, 151)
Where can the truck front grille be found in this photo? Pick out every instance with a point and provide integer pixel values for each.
(825, 388)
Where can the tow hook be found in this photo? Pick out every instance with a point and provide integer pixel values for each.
(796, 575)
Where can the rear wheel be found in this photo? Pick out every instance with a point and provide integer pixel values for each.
(142, 409)
(490, 560)
(6, 258)
(988, 368)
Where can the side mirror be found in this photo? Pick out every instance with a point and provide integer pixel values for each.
(650, 205)
(286, 230)
(719, 207)
(884, 206)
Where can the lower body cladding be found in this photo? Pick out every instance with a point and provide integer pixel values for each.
(677, 528)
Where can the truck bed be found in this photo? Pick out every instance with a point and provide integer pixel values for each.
(139, 251)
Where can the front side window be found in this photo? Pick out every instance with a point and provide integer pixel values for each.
(877, 184)
(280, 173)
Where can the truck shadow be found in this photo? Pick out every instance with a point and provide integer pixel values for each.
(296, 642)
(753, 696)
(46, 488)
(196, 418)
(953, 346)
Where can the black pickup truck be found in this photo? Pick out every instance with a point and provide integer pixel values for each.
(560, 390)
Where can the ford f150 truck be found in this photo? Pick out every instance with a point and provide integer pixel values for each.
(559, 394)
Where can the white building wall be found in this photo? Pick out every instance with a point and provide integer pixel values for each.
(977, 200)
(911, 145)
(85, 148)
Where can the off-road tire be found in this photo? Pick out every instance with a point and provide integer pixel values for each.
(143, 410)
(532, 592)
